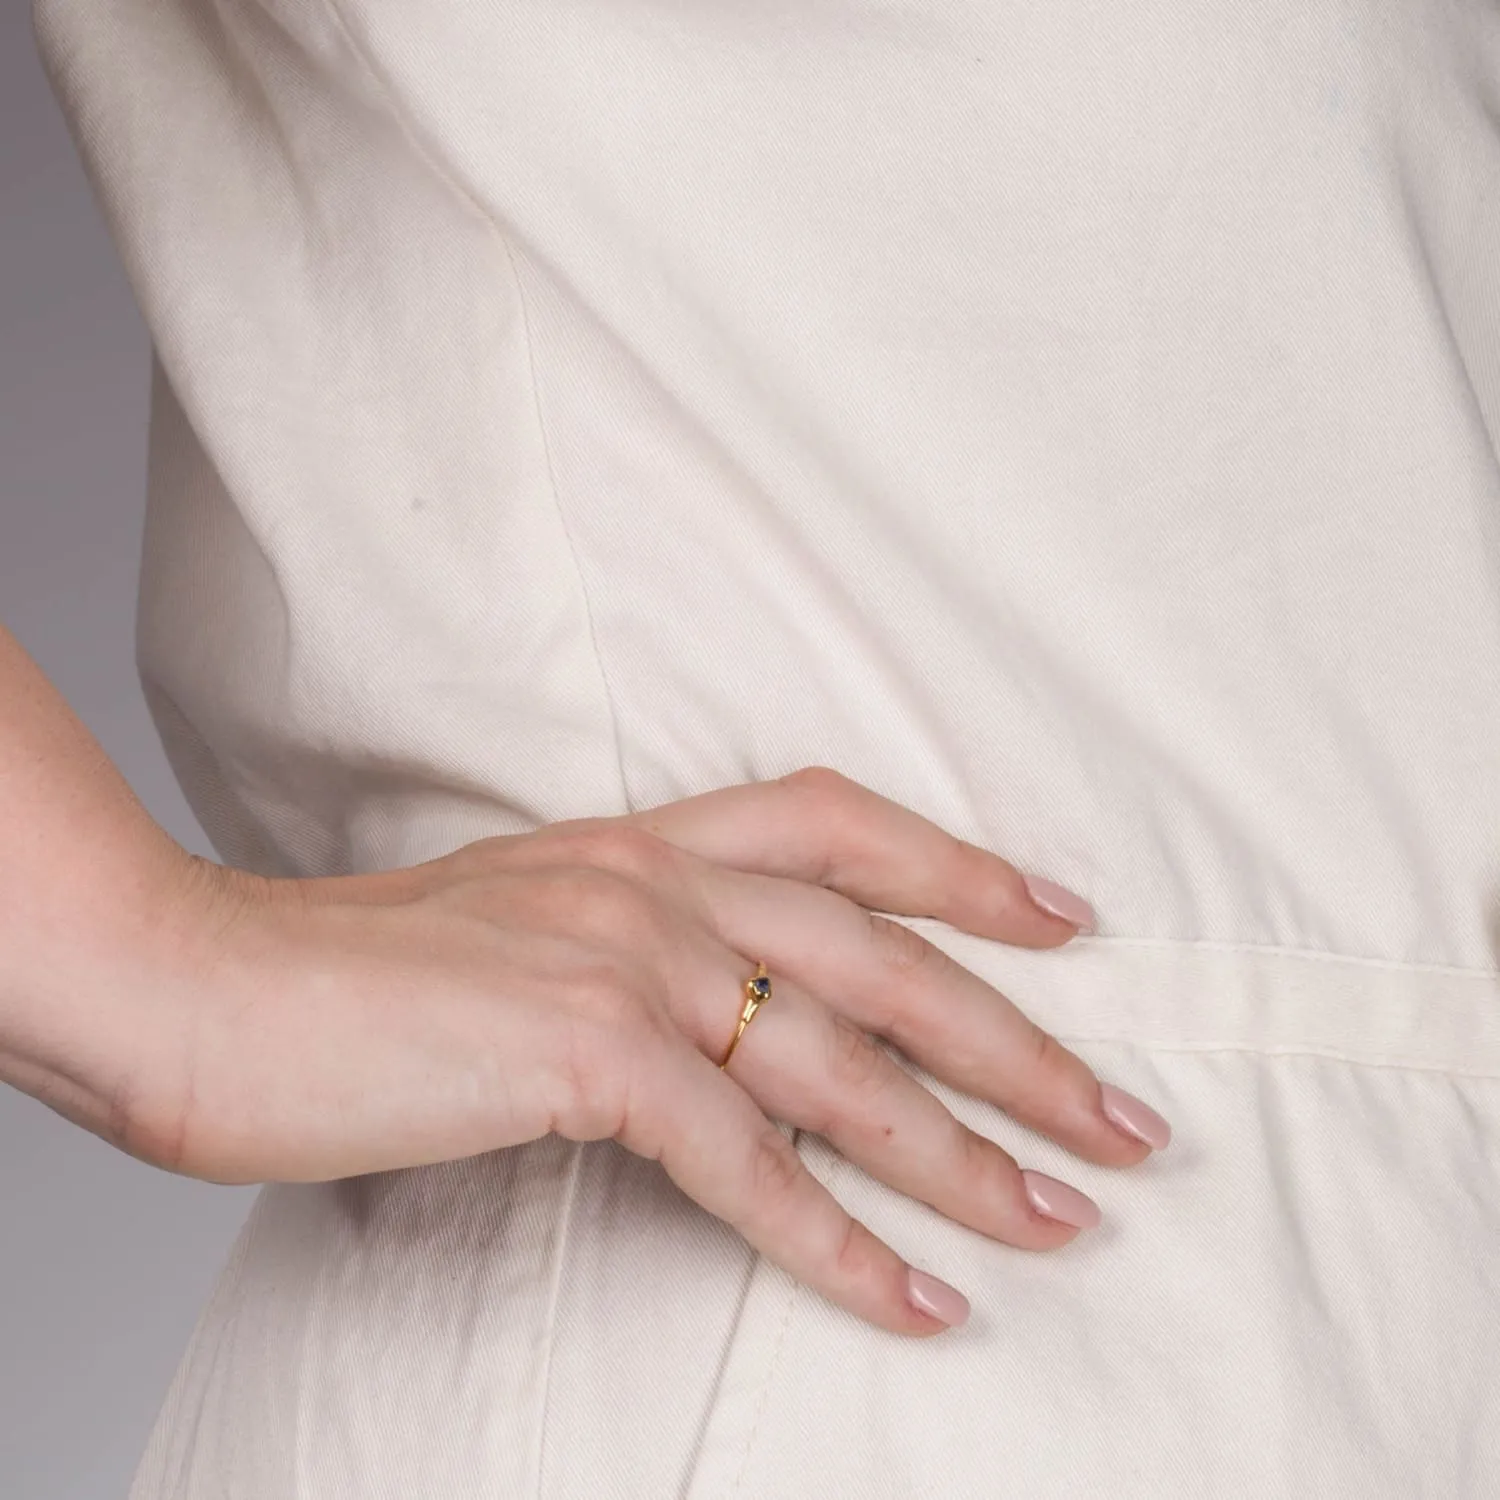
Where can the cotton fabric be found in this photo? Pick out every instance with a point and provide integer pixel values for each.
(1076, 423)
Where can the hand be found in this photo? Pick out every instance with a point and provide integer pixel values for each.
(587, 978)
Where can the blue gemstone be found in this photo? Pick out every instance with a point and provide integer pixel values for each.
(760, 987)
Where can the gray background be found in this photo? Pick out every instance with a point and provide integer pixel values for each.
(104, 1262)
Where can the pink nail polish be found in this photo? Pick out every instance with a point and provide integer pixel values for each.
(1059, 1201)
(1059, 901)
(936, 1298)
(1133, 1118)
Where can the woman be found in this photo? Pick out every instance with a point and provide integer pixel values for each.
(670, 529)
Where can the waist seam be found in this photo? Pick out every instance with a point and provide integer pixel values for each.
(1225, 997)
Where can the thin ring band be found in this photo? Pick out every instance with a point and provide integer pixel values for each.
(757, 992)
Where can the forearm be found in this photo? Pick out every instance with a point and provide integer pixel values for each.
(84, 912)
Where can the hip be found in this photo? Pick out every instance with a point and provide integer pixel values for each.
(1291, 1301)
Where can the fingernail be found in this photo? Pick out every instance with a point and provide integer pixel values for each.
(1059, 901)
(1128, 1115)
(936, 1298)
(1059, 1201)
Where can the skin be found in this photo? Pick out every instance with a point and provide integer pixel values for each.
(583, 979)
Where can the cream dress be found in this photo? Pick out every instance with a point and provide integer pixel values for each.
(1077, 422)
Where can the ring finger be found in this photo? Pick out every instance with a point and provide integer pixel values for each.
(890, 980)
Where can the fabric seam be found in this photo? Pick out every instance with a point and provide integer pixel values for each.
(533, 380)
(1308, 955)
(765, 1389)
(1260, 950)
(316, 1305)
(554, 1297)
(841, 1167)
(1326, 1054)
(403, 120)
(434, 164)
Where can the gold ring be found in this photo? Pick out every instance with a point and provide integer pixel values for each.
(757, 992)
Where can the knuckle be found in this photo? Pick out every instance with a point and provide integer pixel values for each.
(823, 796)
(833, 807)
(858, 1253)
(614, 911)
(981, 1162)
(1061, 1085)
(983, 870)
(625, 849)
(546, 900)
(592, 1075)
(817, 780)
(643, 1124)
(1044, 1052)
(775, 1168)
(1009, 881)
(162, 1138)
(855, 1062)
(481, 855)
(898, 948)
(603, 999)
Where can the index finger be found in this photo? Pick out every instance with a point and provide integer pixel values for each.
(821, 827)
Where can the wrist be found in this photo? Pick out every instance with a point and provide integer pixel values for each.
(98, 984)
